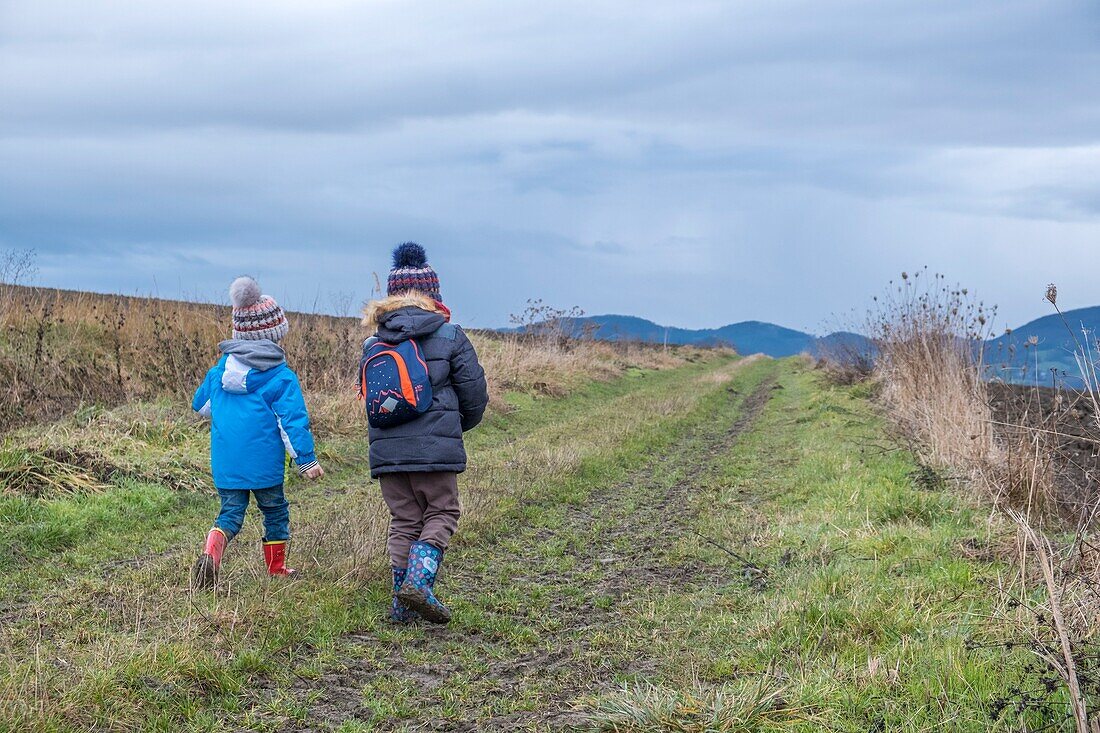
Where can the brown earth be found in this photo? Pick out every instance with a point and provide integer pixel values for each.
(1070, 429)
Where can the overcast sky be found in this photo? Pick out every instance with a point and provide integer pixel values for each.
(695, 163)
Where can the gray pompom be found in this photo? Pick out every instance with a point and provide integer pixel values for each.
(244, 292)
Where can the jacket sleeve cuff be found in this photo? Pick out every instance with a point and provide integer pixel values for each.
(305, 463)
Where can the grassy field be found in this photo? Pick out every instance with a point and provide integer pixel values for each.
(723, 546)
(62, 351)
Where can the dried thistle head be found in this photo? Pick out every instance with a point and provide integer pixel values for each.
(1033, 340)
(1052, 294)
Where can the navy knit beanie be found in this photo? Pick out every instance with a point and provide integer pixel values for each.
(411, 271)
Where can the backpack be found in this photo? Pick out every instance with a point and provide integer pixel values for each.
(393, 382)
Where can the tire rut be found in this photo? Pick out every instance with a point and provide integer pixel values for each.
(645, 511)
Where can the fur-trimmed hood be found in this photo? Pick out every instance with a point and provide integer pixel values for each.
(374, 312)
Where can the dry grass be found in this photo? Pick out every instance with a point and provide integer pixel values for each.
(553, 367)
(750, 706)
(931, 376)
(66, 356)
(61, 350)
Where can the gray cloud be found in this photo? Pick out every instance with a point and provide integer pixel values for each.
(694, 162)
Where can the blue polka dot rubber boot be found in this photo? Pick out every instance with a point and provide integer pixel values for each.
(399, 612)
(416, 590)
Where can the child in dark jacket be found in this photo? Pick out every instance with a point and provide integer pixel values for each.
(258, 416)
(418, 462)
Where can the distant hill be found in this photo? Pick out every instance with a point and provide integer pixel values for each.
(1012, 358)
(748, 337)
(1006, 356)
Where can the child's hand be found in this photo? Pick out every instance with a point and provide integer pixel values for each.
(315, 473)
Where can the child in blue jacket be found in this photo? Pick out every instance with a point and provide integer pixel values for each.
(258, 416)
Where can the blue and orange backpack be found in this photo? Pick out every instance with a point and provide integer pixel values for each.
(393, 382)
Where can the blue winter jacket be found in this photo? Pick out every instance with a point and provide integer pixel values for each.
(258, 416)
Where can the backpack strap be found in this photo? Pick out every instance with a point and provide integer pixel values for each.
(359, 372)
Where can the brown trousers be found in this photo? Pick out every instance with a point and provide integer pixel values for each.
(423, 506)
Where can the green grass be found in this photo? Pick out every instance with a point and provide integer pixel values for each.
(592, 583)
(96, 584)
(869, 602)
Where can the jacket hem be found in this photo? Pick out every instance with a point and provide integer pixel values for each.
(422, 468)
(251, 486)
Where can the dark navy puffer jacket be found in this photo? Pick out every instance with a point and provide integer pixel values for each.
(433, 441)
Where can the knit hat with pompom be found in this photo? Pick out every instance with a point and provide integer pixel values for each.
(255, 315)
(411, 271)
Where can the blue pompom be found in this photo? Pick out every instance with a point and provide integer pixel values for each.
(409, 254)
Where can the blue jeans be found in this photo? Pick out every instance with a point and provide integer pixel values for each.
(272, 502)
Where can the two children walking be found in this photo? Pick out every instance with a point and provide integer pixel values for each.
(259, 416)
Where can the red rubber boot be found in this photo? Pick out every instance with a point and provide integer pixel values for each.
(205, 572)
(275, 557)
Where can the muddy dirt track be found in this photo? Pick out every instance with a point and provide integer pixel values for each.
(618, 539)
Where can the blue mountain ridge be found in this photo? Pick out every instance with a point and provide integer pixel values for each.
(1056, 338)
(1010, 356)
(748, 337)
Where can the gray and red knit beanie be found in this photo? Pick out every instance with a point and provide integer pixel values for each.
(255, 315)
(411, 271)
